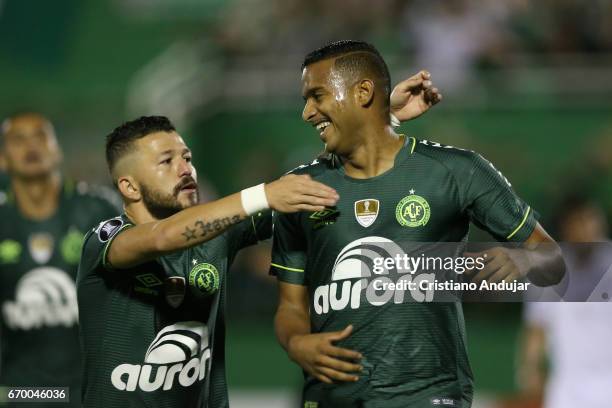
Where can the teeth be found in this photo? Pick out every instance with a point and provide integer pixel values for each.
(321, 126)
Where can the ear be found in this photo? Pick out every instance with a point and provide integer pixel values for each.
(129, 188)
(364, 92)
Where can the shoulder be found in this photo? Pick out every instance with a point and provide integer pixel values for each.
(459, 161)
(97, 238)
(317, 167)
(450, 156)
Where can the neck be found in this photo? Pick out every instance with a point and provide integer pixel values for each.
(37, 199)
(138, 213)
(373, 153)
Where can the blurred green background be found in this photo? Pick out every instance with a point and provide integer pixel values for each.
(525, 83)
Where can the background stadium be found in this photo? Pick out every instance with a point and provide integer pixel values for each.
(526, 83)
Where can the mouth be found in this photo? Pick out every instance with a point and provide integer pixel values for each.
(32, 157)
(189, 188)
(322, 128)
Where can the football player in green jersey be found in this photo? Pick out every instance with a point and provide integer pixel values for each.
(44, 219)
(151, 300)
(360, 345)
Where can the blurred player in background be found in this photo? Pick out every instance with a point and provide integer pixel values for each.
(44, 218)
(574, 334)
(393, 189)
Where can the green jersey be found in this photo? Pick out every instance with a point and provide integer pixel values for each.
(153, 335)
(38, 266)
(414, 351)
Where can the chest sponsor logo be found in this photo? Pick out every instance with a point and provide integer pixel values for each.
(355, 278)
(44, 297)
(366, 211)
(41, 247)
(178, 357)
(9, 251)
(325, 217)
(413, 211)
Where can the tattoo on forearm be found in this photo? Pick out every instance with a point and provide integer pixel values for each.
(189, 234)
(206, 228)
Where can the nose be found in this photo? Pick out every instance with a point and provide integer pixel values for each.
(309, 111)
(185, 168)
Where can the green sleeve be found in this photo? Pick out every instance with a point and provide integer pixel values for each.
(249, 232)
(492, 205)
(96, 244)
(288, 249)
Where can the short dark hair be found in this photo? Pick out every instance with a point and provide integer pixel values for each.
(355, 58)
(119, 141)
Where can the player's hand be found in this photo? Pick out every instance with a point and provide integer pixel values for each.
(500, 264)
(292, 193)
(414, 96)
(318, 356)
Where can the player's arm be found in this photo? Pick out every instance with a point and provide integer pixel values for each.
(315, 353)
(539, 259)
(495, 207)
(412, 97)
(203, 222)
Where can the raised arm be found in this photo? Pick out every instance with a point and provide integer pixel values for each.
(203, 222)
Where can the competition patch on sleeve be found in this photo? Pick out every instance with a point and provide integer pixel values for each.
(107, 229)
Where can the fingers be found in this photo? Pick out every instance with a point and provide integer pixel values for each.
(339, 365)
(490, 268)
(432, 96)
(322, 378)
(341, 335)
(417, 80)
(312, 187)
(336, 375)
(343, 353)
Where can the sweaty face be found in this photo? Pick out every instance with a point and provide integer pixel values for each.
(329, 105)
(30, 146)
(165, 174)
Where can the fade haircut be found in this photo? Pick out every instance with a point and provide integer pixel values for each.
(355, 59)
(120, 141)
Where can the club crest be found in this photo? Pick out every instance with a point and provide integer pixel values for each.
(366, 211)
(41, 247)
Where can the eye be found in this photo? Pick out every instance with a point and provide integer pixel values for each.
(166, 161)
(187, 159)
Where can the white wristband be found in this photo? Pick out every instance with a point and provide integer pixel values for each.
(254, 199)
(395, 122)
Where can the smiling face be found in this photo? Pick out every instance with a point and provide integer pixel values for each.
(161, 168)
(330, 105)
(30, 147)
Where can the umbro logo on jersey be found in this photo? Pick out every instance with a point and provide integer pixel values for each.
(179, 353)
(325, 217)
(366, 211)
